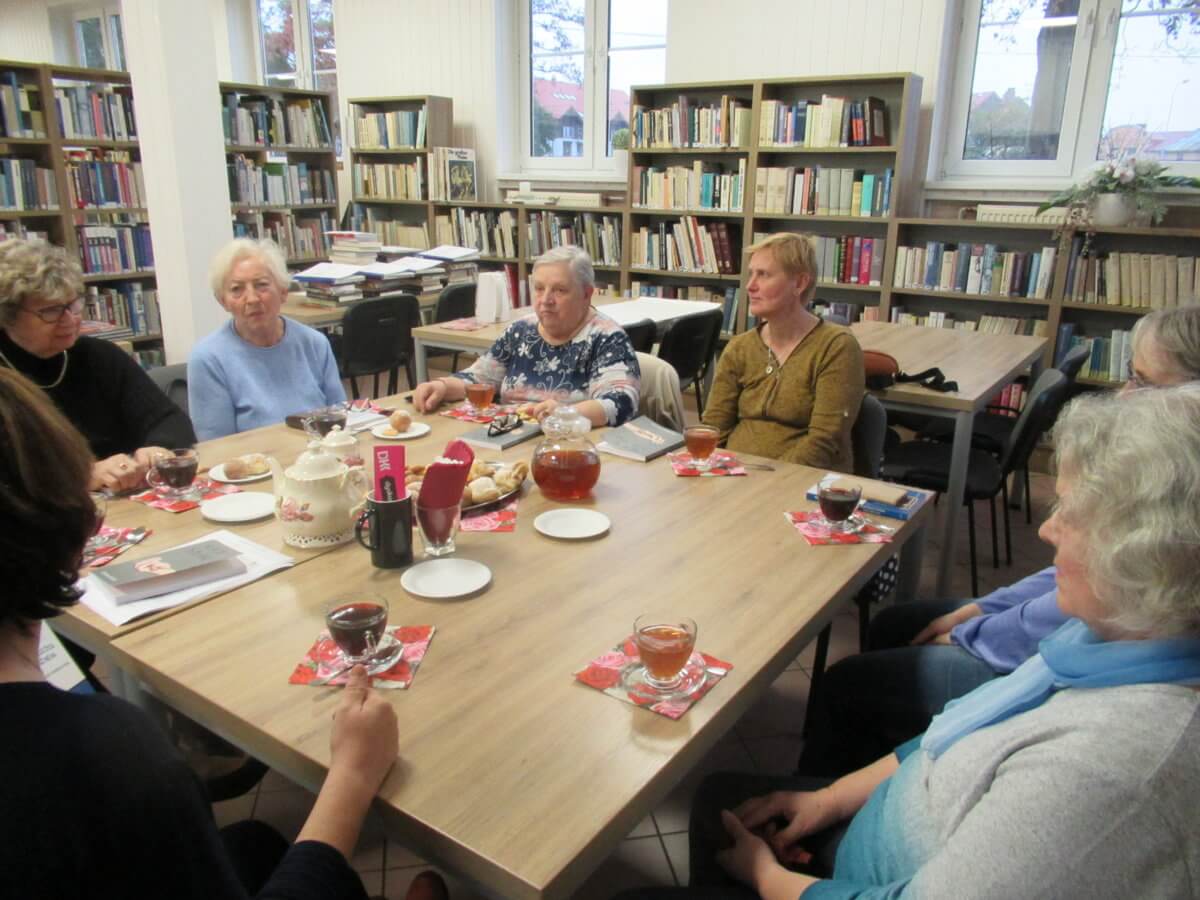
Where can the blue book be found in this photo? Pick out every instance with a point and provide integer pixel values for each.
(1065, 332)
(904, 510)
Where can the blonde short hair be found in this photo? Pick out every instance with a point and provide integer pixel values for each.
(266, 251)
(36, 269)
(795, 253)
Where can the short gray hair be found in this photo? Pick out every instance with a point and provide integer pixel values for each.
(36, 269)
(576, 260)
(1132, 464)
(266, 251)
(1176, 335)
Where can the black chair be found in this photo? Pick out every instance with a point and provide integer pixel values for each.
(377, 337)
(456, 301)
(642, 335)
(172, 381)
(926, 464)
(689, 344)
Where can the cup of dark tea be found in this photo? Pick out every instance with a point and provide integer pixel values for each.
(665, 644)
(479, 395)
(356, 622)
(838, 500)
(172, 473)
(324, 419)
(701, 441)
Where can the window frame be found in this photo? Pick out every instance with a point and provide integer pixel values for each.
(106, 14)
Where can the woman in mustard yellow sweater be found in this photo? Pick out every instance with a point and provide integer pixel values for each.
(790, 389)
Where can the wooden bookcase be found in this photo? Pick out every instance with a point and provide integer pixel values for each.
(285, 136)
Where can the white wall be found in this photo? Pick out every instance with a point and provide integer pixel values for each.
(25, 31)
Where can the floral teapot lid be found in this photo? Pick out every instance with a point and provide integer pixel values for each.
(566, 421)
(337, 439)
(316, 462)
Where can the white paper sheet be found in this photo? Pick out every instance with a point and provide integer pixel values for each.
(260, 561)
(56, 663)
(660, 309)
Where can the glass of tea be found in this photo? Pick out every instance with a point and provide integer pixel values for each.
(356, 623)
(172, 473)
(438, 526)
(701, 441)
(566, 465)
(479, 396)
(324, 419)
(665, 644)
(838, 500)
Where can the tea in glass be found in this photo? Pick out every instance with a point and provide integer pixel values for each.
(174, 472)
(357, 625)
(566, 474)
(701, 441)
(479, 396)
(665, 644)
(838, 501)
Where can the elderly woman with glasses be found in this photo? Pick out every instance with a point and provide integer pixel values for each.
(98, 386)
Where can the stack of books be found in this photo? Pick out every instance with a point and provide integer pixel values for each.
(331, 284)
(354, 248)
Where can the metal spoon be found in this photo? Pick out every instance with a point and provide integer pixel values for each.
(382, 652)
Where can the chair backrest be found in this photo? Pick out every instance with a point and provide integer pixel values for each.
(1073, 361)
(456, 301)
(1045, 399)
(172, 381)
(690, 342)
(377, 334)
(867, 437)
(642, 335)
(661, 398)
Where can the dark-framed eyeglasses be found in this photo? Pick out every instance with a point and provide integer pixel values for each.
(503, 424)
(51, 315)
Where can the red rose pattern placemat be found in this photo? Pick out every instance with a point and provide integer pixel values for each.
(722, 462)
(812, 527)
(324, 657)
(109, 543)
(501, 519)
(206, 487)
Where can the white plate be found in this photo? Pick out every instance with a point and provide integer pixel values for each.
(243, 507)
(572, 524)
(217, 473)
(440, 579)
(415, 430)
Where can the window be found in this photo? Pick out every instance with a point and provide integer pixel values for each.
(99, 42)
(579, 59)
(298, 50)
(1048, 87)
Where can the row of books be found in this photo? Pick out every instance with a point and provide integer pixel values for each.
(1110, 355)
(299, 236)
(278, 184)
(452, 174)
(985, 324)
(274, 122)
(20, 108)
(849, 259)
(491, 232)
(98, 111)
(838, 311)
(115, 248)
(397, 129)
(25, 185)
(391, 232)
(691, 123)
(975, 269)
(17, 231)
(831, 122)
(688, 245)
(104, 178)
(823, 191)
(703, 185)
(599, 235)
(389, 181)
(128, 309)
(1010, 401)
(1157, 280)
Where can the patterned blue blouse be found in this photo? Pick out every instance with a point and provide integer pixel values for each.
(597, 364)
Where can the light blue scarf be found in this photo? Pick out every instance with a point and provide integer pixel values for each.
(1073, 656)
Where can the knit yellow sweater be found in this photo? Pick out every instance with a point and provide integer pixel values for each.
(801, 412)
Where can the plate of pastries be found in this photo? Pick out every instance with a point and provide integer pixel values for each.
(241, 469)
(489, 483)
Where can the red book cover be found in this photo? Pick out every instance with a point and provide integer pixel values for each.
(864, 260)
(856, 255)
(847, 260)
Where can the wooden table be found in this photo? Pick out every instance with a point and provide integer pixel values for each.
(511, 772)
(981, 364)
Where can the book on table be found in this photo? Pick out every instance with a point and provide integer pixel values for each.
(171, 570)
(481, 437)
(880, 499)
(640, 439)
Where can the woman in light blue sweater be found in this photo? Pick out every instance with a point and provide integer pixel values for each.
(259, 367)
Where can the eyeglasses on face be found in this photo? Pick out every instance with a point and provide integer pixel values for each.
(52, 314)
(503, 424)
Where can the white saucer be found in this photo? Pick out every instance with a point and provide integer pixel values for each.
(217, 473)
(415, 430)
(243, 507)
(572, 524)
(441, 579)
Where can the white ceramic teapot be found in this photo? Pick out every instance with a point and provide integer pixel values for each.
(318, 498)
(343, 445)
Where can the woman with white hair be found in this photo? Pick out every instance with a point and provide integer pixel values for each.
(259, 367)
(565, 352)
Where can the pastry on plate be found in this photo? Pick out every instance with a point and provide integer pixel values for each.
(247, 466)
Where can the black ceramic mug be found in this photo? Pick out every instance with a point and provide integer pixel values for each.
(389, 531)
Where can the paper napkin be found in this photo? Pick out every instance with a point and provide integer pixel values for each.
(324, 657)
(109, 543)
(722, 462)
(814, 529)
(204, 488)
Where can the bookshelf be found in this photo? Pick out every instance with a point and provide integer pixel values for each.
(281, 167)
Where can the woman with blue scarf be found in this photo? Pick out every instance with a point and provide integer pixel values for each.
(1078, 775)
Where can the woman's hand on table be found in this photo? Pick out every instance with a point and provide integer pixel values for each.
(938, 631)
(119, 472)
(753, 862)
(366, 736)
(428, 395)
(539, 410)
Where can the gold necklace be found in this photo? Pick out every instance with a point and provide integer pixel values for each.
(45, 387)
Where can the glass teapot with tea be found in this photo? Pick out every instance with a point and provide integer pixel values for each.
(566, 465)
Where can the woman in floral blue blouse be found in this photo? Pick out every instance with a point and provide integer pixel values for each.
(566, 352)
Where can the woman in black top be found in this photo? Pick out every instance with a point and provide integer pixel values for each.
(97, 385)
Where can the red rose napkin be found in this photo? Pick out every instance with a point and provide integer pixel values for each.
(324, 657)
(502, 519)
(205, 488)
(814, 530)
(468, 324)
(446, 476)
(109, 543)
(722, 462)
(467, 413)
(610, 672)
